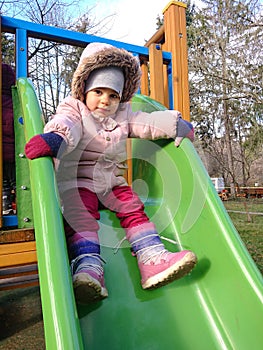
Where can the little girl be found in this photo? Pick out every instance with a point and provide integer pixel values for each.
(87, 139)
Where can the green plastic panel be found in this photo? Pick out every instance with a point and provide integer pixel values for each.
(218, 306)
(61, 322)
(23, 186)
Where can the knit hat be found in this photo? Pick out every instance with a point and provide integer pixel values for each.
(98, 55)
(107, 77)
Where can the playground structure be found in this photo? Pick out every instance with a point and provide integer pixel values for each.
(219, 306)
(164, 79)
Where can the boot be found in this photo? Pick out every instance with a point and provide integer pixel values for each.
(157, 265)
(163, 267)
(88, 278)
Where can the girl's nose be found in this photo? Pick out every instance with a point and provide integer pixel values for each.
(105, 99)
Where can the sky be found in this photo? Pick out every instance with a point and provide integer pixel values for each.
(134, 20)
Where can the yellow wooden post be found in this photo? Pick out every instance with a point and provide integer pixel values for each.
(176, 43)
(144, 79)
(165, 86)
(156, 73)
(128, 174)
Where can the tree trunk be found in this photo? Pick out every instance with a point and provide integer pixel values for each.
(227, 124)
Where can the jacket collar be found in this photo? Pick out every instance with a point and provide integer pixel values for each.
(108, 123)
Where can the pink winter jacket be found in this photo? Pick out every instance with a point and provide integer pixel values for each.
(95, 156)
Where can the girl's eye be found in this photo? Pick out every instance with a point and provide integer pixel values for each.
(114, 96)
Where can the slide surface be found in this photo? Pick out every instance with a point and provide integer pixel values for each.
(218, 306)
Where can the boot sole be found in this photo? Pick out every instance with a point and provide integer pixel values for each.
(174, 272)
(87, 289)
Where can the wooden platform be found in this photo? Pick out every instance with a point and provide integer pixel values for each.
(17, 235)
(18, 259)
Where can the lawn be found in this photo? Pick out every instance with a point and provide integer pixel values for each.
(249, 225)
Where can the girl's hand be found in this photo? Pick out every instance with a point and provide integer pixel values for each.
(184, 129)
(43, 145)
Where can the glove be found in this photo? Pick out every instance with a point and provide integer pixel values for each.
(184, 129)
(44, 145)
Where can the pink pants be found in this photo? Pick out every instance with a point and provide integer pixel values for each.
(81, 211)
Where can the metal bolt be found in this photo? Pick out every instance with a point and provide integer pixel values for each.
(23, 187)
(26, 219)
(22, 49)
(21, 155)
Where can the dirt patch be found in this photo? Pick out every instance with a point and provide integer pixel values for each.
(21, 320)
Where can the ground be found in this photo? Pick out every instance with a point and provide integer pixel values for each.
(21, 323)
(21, 320)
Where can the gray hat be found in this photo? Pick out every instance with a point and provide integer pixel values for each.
(106, 77)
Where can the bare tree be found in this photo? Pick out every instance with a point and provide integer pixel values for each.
(51, 64)
(226, 80)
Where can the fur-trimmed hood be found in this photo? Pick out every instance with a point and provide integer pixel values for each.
(98, 55)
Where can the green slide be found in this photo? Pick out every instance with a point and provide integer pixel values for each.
(218, 306)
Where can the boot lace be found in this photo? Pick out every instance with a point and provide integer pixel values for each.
(149, 254)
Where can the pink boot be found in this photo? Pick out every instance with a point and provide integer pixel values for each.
(88, 278)
(164, 267)
(157, 265)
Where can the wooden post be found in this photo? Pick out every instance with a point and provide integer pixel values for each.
(165, 86)
(176, 43)
(156, 73)
(144, 79)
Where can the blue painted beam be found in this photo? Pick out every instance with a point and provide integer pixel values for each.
(21, 53)
(69, 37)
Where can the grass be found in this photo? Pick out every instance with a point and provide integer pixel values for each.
(249, 225)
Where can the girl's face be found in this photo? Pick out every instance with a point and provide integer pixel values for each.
(103, 102)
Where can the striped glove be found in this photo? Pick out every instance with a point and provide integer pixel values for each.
(184, 129)
(49, 144)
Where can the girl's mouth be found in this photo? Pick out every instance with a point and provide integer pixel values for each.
(103, 110)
